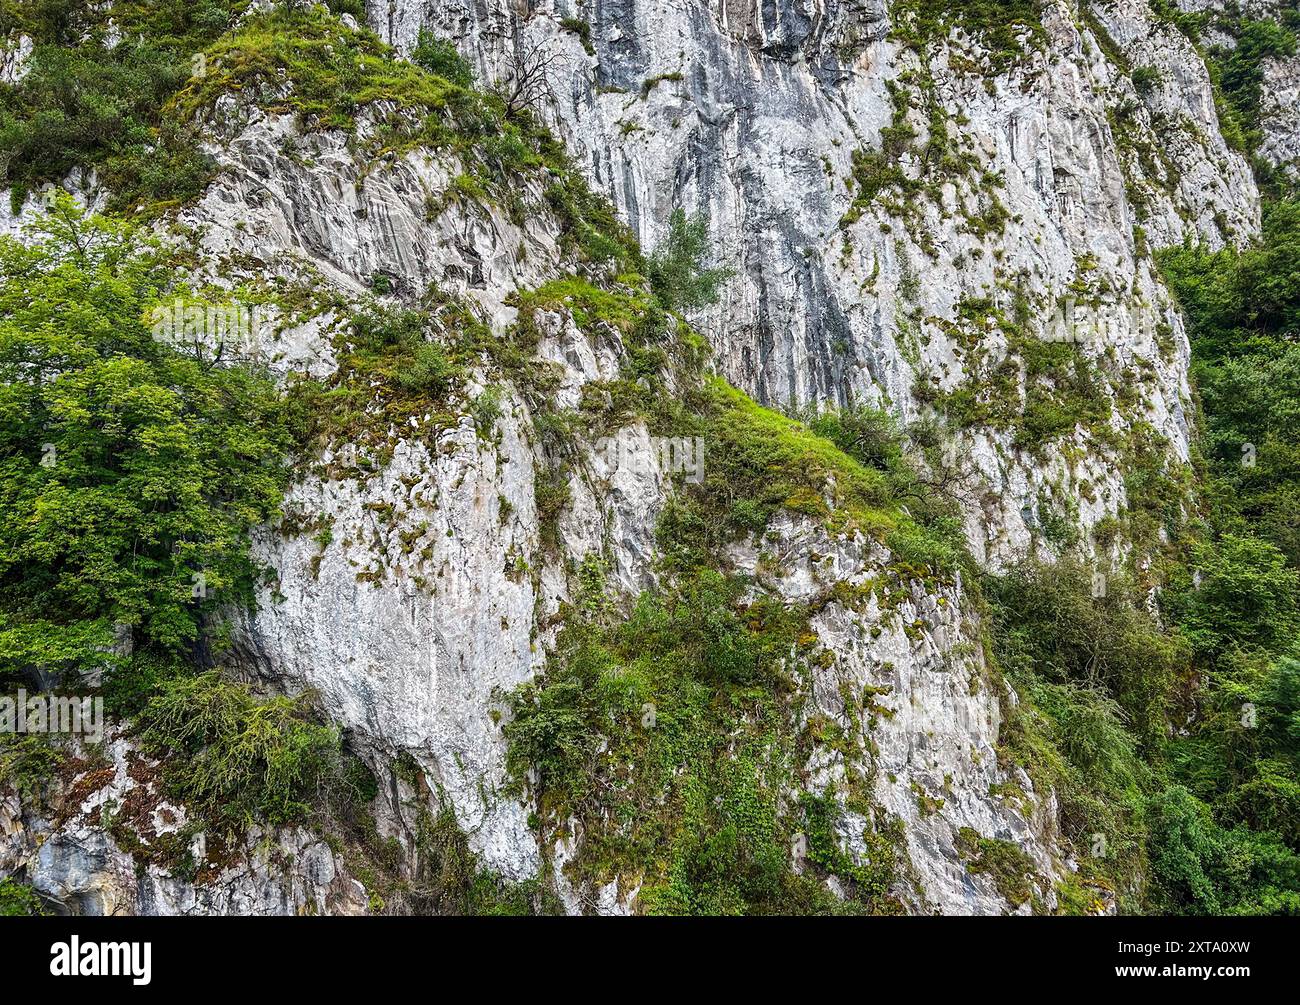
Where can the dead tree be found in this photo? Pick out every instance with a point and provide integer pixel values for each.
(526, 84)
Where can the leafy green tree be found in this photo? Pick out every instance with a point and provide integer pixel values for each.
(1240, 304)
(1241, 594)
(677, 270)
(130, 474)
(1238, 601)
(1199, 867)
(437, 55)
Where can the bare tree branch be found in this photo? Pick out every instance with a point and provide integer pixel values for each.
(526, 84)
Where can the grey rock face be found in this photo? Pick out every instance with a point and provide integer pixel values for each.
(91, 850)
(1281, 115)
(416, 609)
(1280, 88)
(753, 113)
(935, 724)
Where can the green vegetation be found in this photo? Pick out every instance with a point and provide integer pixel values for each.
(676, 728)
(878, 173)
(1244, 314)
(879, 178)
(1170, 817)
(28, 762)
(1236, 69)
(1240, 70)
(1199, 867)
(439, 57)
(1049, 626)
(1012, 870)
(1005, 29)
(582, 29)
(133, 110)
(135, 470)
(132, 473)
(626, 308)
(1203, 823)
(669, 732)
(17, 900)
(1038, 389)
(760, 462)
(1226, 838)
(436, 872)
(234, 759)
(395, 365)
(1078, 663)
(448, 878)
(307, 63)
(1168, 735)
(1145, 79)
(932, 534)
(98, 79)
(676, 270)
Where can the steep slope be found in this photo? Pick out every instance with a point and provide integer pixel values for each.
(443, 577)
(431, 540)
(601, 633)
(912, 196)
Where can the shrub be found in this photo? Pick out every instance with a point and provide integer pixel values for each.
(28, 763)
(1198, 867)
(131, 683)
(1002, 26)
(235, 759)
(431, 370)
(1010, 868)
(582, 29)
(676, 268)
(1238, 70)
(87, 103)
(440, 56)
(869, 436)
(18, 900)
(1048, 625)
(1145, 79)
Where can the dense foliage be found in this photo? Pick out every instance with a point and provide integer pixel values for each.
(17, 900)
(674, 270)
(92, 98)
(135, 467)
(131, 472)
(1230, 831)
(234, 759)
